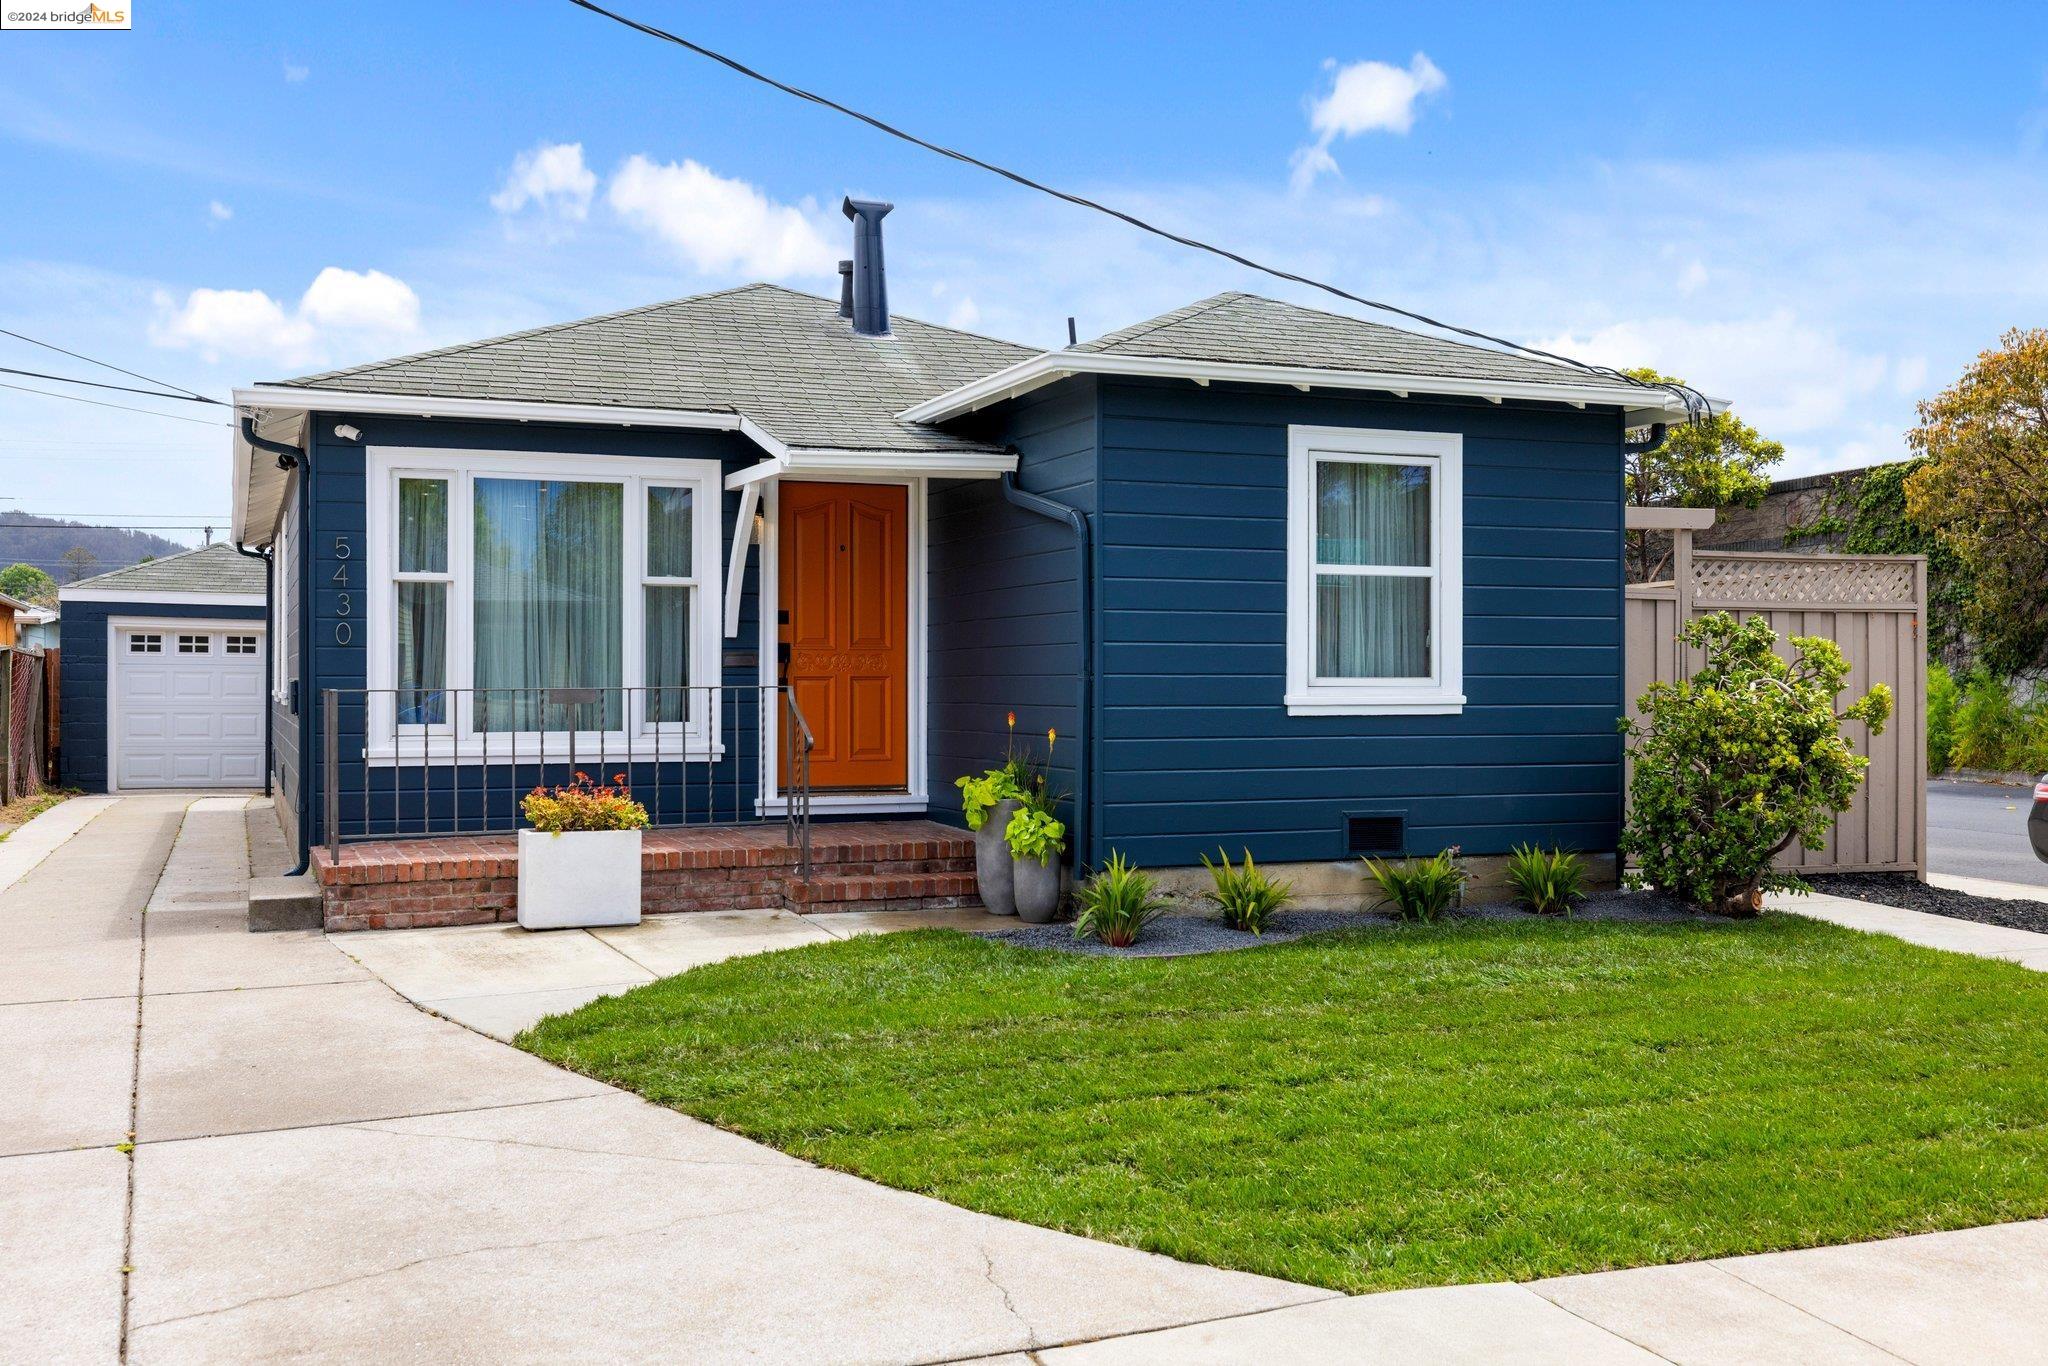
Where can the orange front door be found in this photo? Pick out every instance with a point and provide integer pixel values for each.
(845, 583)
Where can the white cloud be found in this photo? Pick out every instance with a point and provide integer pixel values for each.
(357, 308)
(294, 73)
(360, 301)
(1363, 97)
(219, 212)
(965, 314)
(720, 225)
(237, 322)
(552, 178)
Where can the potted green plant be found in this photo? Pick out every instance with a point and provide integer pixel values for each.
(1037, 839)
(580, 863)
(988, 803)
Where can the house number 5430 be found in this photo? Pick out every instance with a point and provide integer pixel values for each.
(343, 632)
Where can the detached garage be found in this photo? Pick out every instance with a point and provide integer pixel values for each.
(166, 674)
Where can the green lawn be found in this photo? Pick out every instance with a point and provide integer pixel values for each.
(1376, 1109)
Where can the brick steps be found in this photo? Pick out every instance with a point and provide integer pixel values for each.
(473, 879)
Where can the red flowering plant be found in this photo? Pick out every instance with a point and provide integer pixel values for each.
(584, 805)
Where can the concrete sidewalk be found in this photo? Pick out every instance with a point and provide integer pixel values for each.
(1918, 927)
(322, 1172)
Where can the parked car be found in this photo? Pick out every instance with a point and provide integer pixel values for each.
(2037, 820)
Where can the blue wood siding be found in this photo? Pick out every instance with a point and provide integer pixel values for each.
(415, 800)
(82, 719)
(1197, 749)
(1005, 629)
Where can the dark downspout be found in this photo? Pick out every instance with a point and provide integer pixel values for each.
(1085, 680)
(269, 657)
(291, 457)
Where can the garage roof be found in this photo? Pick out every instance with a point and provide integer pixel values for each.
(210, 569)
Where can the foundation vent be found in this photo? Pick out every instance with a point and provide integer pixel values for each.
(1376, 834)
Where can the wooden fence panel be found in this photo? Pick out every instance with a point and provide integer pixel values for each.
(1870, 605)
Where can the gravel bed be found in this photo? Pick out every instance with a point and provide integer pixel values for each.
(1909, 893)
(1177, 934)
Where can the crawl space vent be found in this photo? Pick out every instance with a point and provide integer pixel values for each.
(1375, 834)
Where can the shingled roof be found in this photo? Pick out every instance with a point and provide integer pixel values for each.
(784, 359)
(1246, 329)
(211, 569)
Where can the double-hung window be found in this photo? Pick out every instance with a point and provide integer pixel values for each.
(1375, 605)
(531, 594)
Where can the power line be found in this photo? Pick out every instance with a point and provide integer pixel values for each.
(126, 408)
(96, 384)
(105, 365)
(1696, 405)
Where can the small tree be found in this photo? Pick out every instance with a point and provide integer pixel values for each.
(1718, 461)
(78, 563)
(26, 583)
(1738, 761)
(1984, 490)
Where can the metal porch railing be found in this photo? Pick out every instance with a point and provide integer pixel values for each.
(456, 761)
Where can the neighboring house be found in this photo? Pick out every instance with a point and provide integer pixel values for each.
(1278, 578)
(163, 674)
(35, 627)
(10, 614)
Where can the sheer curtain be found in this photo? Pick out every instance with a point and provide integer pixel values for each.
(422, 603)
(549, 559)
(670, 556)
(1373, 523)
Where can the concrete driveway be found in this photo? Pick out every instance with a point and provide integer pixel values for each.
(320, 1171)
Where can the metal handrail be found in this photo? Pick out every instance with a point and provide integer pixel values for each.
(431, 763)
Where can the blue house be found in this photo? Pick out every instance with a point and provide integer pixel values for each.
(1276, 578)
(163, 675)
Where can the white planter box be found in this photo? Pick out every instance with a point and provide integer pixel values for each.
(579, 878)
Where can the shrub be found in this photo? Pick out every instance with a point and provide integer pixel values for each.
(1735, 763)
(1549, 883)
(1037, 834)
(1116, 904)
(1993, 728)
(1941, 718)
(979, 796)
(1248, 897)
(1419, 889)
(584, 805)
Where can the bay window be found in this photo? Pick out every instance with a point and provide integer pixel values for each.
(528, 594)
(1375, 604)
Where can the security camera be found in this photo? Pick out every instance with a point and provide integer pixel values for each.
(347, 432)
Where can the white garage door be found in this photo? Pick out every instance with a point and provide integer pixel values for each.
(186, 705)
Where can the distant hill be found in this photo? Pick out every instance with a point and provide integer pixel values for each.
(43, 541)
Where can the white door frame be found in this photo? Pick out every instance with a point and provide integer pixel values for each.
(168, 626)
(915, 798)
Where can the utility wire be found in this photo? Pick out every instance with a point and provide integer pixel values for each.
(96, 384)
(101, 403)
(106, 365)
(1696, 405)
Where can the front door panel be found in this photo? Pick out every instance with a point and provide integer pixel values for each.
(845, 588)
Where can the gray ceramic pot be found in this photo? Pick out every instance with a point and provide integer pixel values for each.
(992, 859)
(1038, 888)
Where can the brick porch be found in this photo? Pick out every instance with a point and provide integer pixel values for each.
(474, 879)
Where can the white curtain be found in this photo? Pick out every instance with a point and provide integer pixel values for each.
(1371, 516)
(548, 567)
(422, 605)
(670, 555)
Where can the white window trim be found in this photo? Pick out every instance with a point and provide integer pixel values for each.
(455, 740)
(1444, 693)
(286, 589)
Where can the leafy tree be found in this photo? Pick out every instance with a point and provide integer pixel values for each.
(1983, 489)
(26, 583)
(1718, 461)
(1735, 763)
(79, 563)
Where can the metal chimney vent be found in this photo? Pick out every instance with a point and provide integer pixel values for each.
(870, 281)
(846, 289)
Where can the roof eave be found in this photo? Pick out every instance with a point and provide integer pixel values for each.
(1643, 405)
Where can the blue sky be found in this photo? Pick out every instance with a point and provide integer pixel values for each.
(1820, 212)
